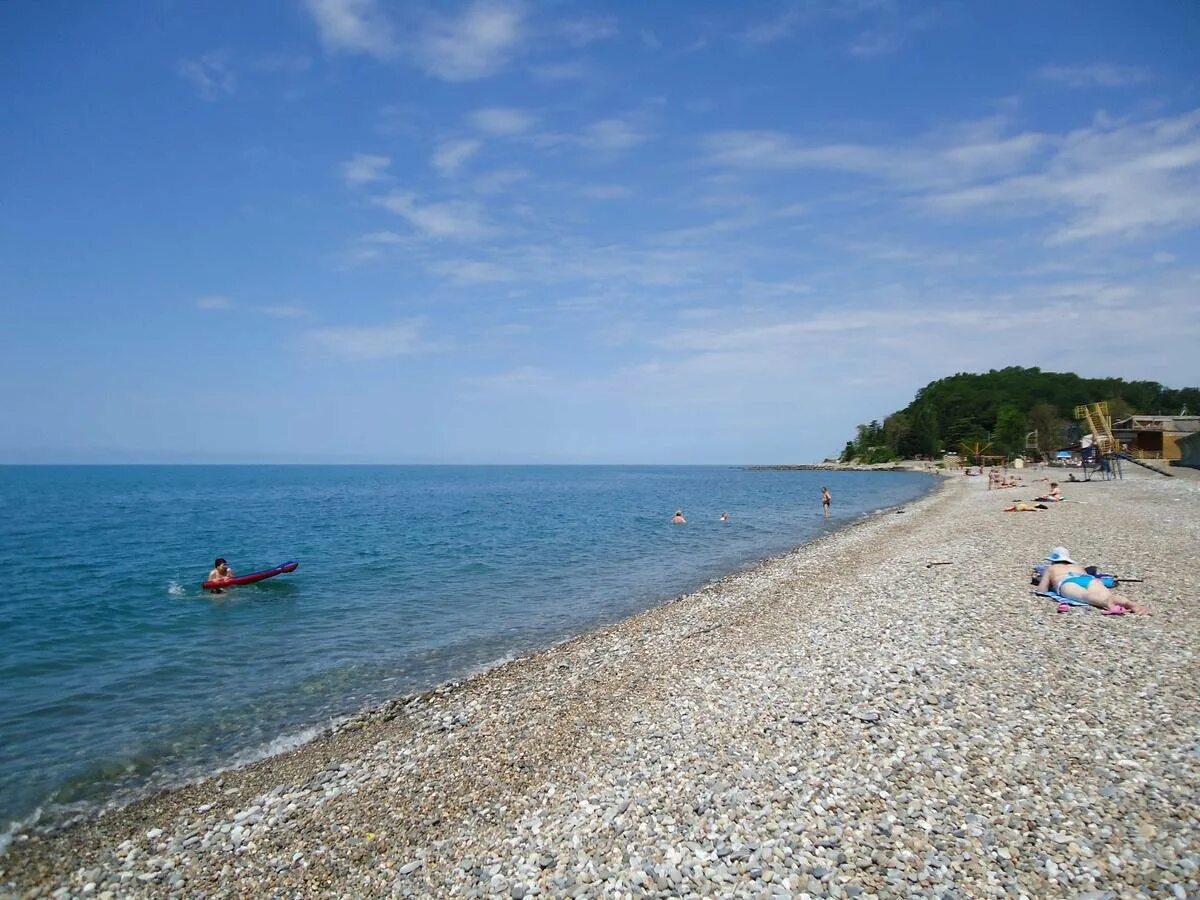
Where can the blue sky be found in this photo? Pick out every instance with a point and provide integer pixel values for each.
(360, 230)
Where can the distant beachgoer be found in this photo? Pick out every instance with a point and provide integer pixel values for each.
(679, 519)
(724, 517)
(826, 499)
(220, 572)
(1071, 580)
(1071, 476)
(1055, 492)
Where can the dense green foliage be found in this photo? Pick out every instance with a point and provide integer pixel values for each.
(998, 409)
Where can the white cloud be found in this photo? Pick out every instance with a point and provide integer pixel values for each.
(611, 135)
(502, 121)
(521, 380)
(365, 168)
(650, 39)
(368, 342)
(1096, 75)
(968, 152)
(213, 301)
(475, 272)
(353, 26)
(1125, 179)
(473, 45)
(581, 32)
(453, 219)
(498, 180)
(449, 157)
(210, 74)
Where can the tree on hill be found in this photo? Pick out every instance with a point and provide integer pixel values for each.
(1002, 405)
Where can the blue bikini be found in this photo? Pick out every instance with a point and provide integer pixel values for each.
(1083, 581)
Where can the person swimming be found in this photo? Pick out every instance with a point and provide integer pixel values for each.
(1066, 577)
(724, 517)
(678, 519)
(220, 572)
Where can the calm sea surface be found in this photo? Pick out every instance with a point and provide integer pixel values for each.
(118, 674)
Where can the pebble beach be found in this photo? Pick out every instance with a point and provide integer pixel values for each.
(844, 720)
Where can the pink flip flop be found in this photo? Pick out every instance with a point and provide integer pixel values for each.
(1064, 607)
(1114, 610)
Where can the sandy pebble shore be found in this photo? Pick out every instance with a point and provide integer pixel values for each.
(840, 721)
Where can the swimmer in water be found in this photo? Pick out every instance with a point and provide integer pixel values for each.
(724, 517)
(679, 519)
(826, 499)
(220, 572)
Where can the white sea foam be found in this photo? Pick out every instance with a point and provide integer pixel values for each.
(175, 589)
(16, 827)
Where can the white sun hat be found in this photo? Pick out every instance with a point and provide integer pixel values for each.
(1060, 555)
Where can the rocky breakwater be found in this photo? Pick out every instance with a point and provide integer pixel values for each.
(842, 721)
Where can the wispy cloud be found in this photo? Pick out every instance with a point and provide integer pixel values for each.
(891, 35)
(450, 156)
(1096, 75)
(968, 152)
(477, 43)
(1128, 179)
(612, 135)
(352, 26)
(520, 380)
(364, 168)
(451, 219)
(466, 272)
(210, 74)
(502, 121)
(213, 302)
(368, 342)
(583, 31)
(499, 180)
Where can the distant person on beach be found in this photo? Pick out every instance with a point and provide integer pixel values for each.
(1055, 492)
(1066, 577)
(679, 519)
(724, 517)
(826, 499)
(1071, 476)
(220, 572)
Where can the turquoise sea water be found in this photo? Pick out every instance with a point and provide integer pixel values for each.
(118, 674)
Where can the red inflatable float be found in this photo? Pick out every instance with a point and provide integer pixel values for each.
(280, 569)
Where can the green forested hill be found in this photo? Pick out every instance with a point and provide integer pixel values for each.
(1002, 406)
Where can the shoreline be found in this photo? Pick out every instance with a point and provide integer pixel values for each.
(32, 828)
(721, 734)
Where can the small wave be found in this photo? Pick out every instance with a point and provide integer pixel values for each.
(16, 827)
(175, 589)
(274, 747)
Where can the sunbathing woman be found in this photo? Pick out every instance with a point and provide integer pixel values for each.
(1066, 577)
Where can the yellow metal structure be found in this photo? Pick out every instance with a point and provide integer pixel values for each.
(1100, 424)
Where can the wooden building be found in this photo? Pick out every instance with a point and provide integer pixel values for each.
(1154, 437)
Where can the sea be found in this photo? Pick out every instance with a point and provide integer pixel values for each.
(119, 675)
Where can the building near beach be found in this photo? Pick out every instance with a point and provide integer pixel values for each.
(1154, 437)
(1189, 451)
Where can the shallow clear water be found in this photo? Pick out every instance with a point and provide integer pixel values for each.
(117, 673)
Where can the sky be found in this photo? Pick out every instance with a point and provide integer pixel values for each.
(559, 232)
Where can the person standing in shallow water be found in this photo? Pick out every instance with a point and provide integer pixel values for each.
(826, 499)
